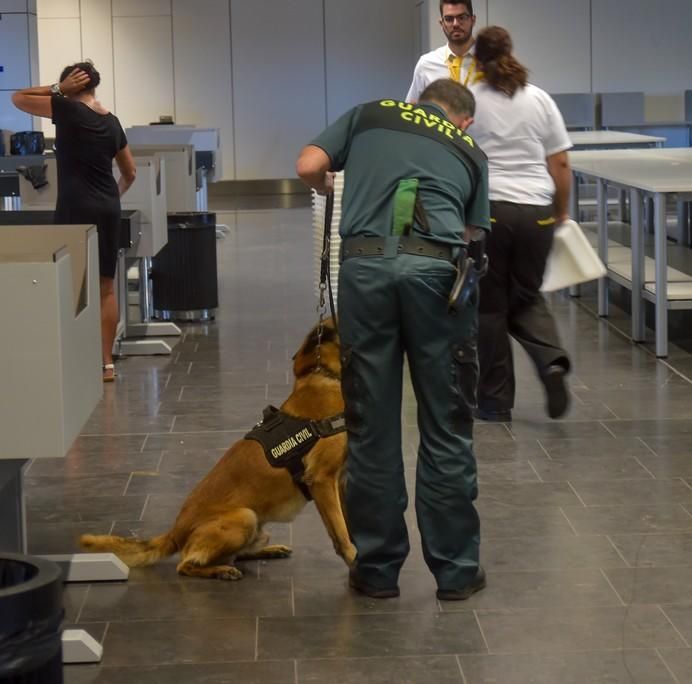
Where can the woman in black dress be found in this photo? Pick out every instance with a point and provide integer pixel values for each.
(88, 138)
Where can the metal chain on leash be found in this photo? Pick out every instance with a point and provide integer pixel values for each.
(324, 278)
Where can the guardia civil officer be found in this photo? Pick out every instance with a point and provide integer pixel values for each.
(522, 131)
(415, 193)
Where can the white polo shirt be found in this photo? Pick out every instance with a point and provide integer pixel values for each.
(517, 134)
(435, 65)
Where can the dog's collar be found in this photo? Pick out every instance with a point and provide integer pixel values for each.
(326, 372)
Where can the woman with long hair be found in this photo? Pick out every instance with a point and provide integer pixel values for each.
(87, 140)
(522, 132)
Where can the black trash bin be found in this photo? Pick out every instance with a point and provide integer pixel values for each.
(31, 615)
(184, 275)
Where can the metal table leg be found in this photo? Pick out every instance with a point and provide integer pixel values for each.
(602, 202)
(574, 290)
(683, 232)
(661, 242)
(638, 273)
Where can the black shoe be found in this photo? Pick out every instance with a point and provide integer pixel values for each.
(556, 389)
(493, 416)
(476, 584)
(368, 590)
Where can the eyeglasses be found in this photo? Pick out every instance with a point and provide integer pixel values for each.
(449, 19)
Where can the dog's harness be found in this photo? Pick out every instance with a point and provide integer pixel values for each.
(286, 440)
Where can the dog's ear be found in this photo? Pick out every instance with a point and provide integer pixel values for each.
(305, 359)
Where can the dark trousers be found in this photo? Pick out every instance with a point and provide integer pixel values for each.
(511, 303)
(388, 308)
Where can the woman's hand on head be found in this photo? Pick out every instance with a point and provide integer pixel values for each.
(76, 81)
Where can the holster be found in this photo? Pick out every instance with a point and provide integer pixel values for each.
(471, 265)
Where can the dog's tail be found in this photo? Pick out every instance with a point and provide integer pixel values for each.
(133, 552)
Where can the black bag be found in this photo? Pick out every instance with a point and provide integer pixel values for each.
(27, 142)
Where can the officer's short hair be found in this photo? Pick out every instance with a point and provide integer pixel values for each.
(456, 98)
(468, 3)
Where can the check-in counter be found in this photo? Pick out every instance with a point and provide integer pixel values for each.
(180, 174)
(148, 196)
(50, 361)
(129, 222)
(207, 145)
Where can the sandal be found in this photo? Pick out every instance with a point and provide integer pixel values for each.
(109, 372)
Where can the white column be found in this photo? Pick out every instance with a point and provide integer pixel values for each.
(18, 59)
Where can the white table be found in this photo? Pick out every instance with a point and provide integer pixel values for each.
(609, 140)
(645, 174)
(612, 139)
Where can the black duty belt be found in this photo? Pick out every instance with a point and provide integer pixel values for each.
(286, 439)
(365, 246)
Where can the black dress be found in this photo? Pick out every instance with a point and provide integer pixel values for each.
(85, 144)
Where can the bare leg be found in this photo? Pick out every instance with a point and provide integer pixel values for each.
(109, 319)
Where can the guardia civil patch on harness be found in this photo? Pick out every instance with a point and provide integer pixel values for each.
(286, 440)
(283, 437)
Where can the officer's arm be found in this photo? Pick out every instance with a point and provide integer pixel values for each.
(313, 169)
(560, 172)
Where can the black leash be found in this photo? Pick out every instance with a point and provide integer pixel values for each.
(325, 266)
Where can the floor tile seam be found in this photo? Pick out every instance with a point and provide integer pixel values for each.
(637, 459)
(607, 408)
(461, 670)
(596, 507)
(569, 522)
(607, 429)
(531, 465)
(673, 625)
(648, 446)
(245, 661)
(144, 508)
(665, 664)
(172, 428)
(612, 586)
(617, 550)
(576, 493)
(129, 480)
(545, 451)
(571, 651)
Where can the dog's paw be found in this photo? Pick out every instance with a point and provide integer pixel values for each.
(278, 551)
(228, 572)
(349, 555)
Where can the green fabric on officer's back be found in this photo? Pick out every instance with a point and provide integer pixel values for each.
(404, 206)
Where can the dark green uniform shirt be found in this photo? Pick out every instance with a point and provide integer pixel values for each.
(375, 160)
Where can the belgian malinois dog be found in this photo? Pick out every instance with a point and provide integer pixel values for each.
(222, 519)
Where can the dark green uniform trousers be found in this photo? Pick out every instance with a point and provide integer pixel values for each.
(389, 307)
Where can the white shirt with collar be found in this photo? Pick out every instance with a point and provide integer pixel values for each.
(435, 65)
(517, 134)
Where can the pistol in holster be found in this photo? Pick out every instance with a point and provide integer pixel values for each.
(472, 265)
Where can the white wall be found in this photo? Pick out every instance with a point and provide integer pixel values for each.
(640, 46)
(593, 45)
(270, 83)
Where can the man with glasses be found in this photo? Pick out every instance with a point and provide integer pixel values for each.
(454, 60)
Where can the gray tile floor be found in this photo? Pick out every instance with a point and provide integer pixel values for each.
(587, 521)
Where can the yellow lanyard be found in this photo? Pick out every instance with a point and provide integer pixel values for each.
(454, 64)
